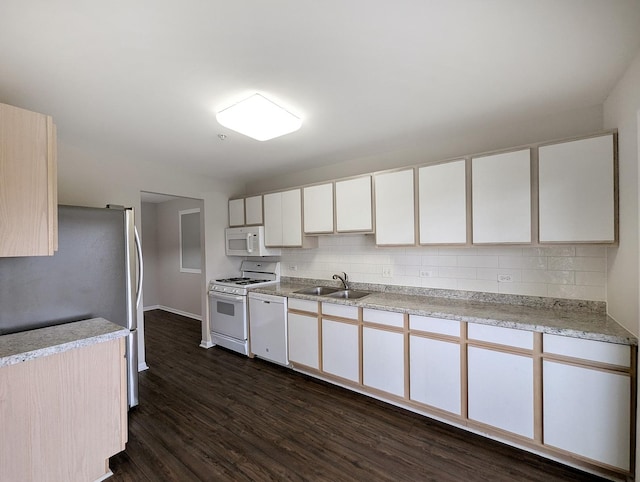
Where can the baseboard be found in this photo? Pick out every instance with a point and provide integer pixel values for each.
(174, 311)
(206, 344)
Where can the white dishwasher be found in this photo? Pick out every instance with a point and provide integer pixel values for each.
(268, 327)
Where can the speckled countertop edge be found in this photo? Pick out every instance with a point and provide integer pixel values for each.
(27, 345)
(590, 324)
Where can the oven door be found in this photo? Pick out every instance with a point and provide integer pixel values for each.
(228, 314)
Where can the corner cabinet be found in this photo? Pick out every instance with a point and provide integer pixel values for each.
(28, 184)
(576, 190)
(283, 218)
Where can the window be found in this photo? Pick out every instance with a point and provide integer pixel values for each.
(190, 250)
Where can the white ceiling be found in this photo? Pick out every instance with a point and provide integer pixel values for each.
(143, 78)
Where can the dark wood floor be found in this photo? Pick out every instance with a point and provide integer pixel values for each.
(215, 415)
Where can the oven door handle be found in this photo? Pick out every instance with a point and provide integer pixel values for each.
(225, 296)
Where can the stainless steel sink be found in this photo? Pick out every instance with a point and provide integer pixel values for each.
(348, 294)
(317, 291)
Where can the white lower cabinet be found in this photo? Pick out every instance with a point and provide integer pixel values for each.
(434, 367)
(587, 411)
(303, 340)
(340, 349)
(500, 390)
(383, 360)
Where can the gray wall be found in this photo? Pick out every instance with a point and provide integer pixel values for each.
(149, 238)
(176, 290)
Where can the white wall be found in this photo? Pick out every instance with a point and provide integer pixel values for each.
(575, 272)
(621, 111)
(90, 178)
(447, 142)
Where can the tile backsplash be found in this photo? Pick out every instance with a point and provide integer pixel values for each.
(574, 272)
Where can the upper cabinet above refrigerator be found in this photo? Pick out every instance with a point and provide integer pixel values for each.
(28, 185)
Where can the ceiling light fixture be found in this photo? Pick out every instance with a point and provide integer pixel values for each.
(259, 118)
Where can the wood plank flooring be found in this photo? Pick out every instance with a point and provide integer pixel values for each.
(209, 415)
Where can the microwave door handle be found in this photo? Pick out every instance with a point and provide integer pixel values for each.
(249, 243)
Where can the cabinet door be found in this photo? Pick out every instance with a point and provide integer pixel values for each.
(253, 208)
(236, 212)
(28, 184)
(303, 340)
(587, 412)
(434, 368)
(500, 389)
(576, 191)
(383, 360)
(292, 218)
(354, 205)
(340, 350)
(501, 198)
(318, 209)
(273, 219)
(395, 223)
(442, 194)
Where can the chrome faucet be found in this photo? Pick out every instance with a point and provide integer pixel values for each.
(343, 279)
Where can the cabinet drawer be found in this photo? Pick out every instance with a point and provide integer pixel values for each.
(434, 325)
(342, 311)
(501, 336)
(591, 350)
(389, 318)
(303, 305)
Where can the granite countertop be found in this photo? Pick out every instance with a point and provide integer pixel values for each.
(27, 345)
(578, 321)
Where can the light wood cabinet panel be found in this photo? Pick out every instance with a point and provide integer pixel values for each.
(318, 209)
(587, 412)
(354, 205)
(576, 191)
(303, 340)
(253, 210)
(340, 349)
(501, 198)
(500, 390)
(442, 203)
(435, 376)
(383, 360)
(236, 212)
(28, 185)
(63, 415)
(395, 223)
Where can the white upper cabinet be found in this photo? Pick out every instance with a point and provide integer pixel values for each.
(354, 205)
(318, 209)
(253, 210)
(501, 198)
(442, 203)
(236, 212)
(576, 191)
(273, 219)
(394, 201)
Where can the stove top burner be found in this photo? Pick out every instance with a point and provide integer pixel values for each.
(241, 281)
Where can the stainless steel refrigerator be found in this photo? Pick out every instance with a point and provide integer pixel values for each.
(96, 272)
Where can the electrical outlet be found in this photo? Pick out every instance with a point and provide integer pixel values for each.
(293, 267)
(387, 272)
(505, 278)
(427, 273)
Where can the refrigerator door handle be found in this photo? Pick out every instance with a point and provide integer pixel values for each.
(140, 265)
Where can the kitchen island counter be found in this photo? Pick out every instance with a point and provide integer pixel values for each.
(27, 345)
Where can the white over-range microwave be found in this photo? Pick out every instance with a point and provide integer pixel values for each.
(247, 241)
